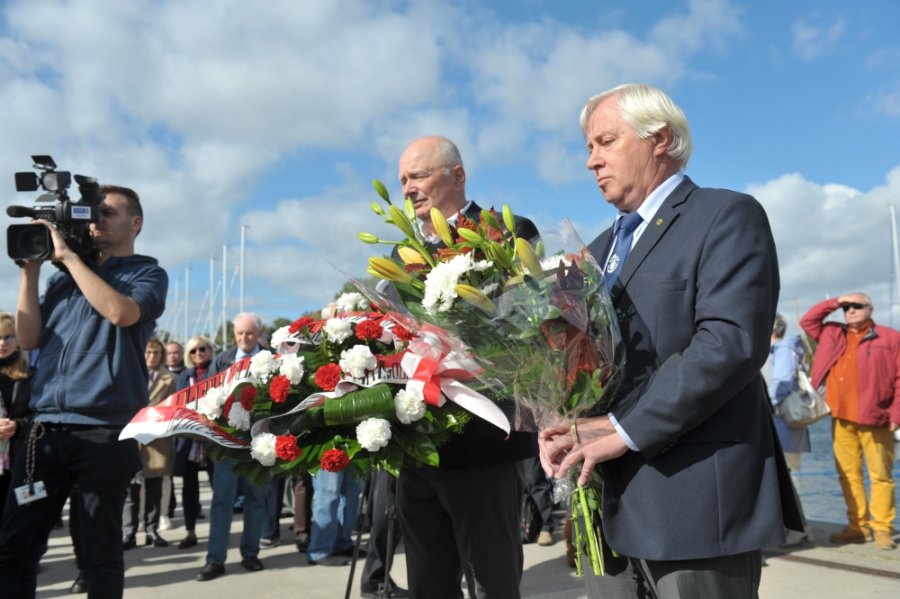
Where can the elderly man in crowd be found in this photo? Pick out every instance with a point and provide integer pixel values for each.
(859, 363)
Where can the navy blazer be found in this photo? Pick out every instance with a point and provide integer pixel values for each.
(696, 300)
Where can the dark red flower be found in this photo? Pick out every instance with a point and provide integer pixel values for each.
(334, 460)
(368, 329)
(303, 321)
(286, 448)
(327, 377)
(248, 394)
(226, 407)
(279, 388)
(402, 333)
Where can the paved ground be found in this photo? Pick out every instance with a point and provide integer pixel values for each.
(815, 570)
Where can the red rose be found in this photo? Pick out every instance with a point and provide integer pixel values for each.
(302, 322)
(327, 377)
(248, 394)
(402, 333)
(279, 388)
(286, 448)
(368, 329)
(334, 460)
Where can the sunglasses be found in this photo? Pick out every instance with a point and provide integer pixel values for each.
(198, 349)
(854, 305)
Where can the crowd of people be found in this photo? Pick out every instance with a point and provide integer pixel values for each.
(693, 453)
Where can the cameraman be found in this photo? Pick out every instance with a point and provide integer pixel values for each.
(91, 328)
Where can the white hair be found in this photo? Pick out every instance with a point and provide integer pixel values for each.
(647, 110)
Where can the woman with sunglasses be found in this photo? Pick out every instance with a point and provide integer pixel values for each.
(15, 375)
(190, 453)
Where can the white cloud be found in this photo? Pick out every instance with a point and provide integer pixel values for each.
(831, 239)
(813, 41)
(886, 103)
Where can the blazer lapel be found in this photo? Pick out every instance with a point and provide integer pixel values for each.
(662, 220)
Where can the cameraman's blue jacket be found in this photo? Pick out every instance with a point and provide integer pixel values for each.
(90, 371)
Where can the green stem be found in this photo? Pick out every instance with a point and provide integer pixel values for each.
(593, 545)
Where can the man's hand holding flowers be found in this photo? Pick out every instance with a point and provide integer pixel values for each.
(597, 441)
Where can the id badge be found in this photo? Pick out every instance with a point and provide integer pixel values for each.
(24, 494)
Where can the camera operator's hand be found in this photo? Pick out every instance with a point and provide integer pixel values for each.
(61, 251)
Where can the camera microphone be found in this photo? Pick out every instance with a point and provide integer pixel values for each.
(20, 211)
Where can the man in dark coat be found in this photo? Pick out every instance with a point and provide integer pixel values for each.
(694, 484)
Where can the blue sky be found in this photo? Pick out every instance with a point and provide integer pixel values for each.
(278, 115)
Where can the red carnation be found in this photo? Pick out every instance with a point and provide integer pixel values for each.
(334, 460)
(279, 388)
(302, 322)
(226, 408)
(327, 377)
(368, 329)
(248, 394)
(402, 333)
(286, 448)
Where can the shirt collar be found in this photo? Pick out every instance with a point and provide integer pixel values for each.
(651, 205)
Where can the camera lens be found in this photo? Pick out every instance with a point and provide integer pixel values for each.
(28, 242)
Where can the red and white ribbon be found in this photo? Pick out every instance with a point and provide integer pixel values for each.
(436, 369)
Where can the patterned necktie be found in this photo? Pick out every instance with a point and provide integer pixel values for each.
(624, 232)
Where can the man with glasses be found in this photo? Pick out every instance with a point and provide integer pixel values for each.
(859, 364)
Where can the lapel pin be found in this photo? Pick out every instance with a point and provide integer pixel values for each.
(659, 221)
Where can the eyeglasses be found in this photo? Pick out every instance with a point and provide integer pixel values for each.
(198, 349)
(7, 338)
(855, 306)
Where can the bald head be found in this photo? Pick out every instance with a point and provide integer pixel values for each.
(432, 175)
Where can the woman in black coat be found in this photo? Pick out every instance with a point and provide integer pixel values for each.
(15, 391)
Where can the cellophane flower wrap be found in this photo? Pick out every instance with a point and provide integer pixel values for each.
(535, 313)
(333, 394)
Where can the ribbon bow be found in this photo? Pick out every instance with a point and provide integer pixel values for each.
(436, 369)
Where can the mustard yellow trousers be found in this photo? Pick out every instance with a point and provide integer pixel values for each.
(852, 442)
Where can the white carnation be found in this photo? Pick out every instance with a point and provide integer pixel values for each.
(440, 283)
(482, 265)
(373, 433)
(292, 368)
(285, 342)
(357, 360)
(210, 405)
(352, 301)
(262, 365)
(262, 448)
(409, 405)
(337, 329)
(238, 417)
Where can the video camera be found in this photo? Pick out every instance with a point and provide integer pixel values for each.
(71, 218)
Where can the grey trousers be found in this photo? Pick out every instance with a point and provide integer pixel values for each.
(731, 577)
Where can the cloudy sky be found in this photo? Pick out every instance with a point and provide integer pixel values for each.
(276, 116)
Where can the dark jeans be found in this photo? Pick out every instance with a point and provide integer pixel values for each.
(102, 466)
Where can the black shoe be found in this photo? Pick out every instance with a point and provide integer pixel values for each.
(80, 585)
(302, 543)
(156, 540)
(252, 564)
(189, 541)
(129, 542)
(330, 560)
(210, 571)
(371, 593)
(349, 552)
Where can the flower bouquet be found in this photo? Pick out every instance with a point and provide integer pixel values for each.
(354, 390)
(535, 314)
